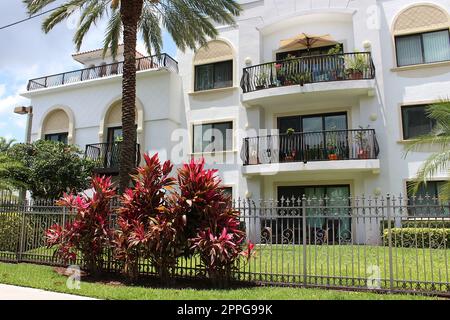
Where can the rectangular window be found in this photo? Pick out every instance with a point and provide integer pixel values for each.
(415, 121)
(228, 191)
(115, 134)
(423, 48)
(424, 202)
(57, 137)
(212, 137)
(214, 76)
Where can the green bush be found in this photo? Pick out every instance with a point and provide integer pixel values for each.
(10, 225)
(417, 224)
(436, 238)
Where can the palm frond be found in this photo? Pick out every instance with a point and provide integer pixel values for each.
(438, 162)
(34, 6)
(92, 13)
(113, 33)
(150, 29)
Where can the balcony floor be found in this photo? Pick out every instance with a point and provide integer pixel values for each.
(369, 165)
(309, 92)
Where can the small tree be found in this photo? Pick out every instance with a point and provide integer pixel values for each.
(89, 234)
(149, 225)
(51, 168)
(213, 226)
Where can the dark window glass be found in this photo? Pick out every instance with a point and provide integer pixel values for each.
(415, 121)
(423, 48)
(310, 123)
(211, 137)
(424, 201)
(228, 191)
(305, 52)
(57, 137)
(115, 134)
(214, 76)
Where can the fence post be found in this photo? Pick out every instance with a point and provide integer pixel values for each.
(389, 219)
(23, 207)
(305, 264)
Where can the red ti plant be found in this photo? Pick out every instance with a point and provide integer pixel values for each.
(149, 228)
(213, 226)
(88, 234)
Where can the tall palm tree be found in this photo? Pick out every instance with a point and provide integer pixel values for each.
(440, 138)
(5, 144)
(189, 22)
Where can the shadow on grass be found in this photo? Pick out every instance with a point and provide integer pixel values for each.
(154, 282)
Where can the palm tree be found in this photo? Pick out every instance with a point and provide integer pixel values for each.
(189, 22)
(440, 137)
(5, 144)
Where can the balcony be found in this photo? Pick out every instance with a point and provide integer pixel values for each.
(344, 150)
(145, 63)
(106, 156)
(345, 74)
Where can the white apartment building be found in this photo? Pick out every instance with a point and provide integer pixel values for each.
(300, 97)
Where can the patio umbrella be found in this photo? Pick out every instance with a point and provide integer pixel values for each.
(307, 41)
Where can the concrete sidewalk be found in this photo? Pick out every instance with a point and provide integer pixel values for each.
(8, 292)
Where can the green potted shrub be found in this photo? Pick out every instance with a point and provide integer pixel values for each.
(355, 66)
(362, 141)
(292, 152)
(262, 80)
(332, 142)
(301, 78)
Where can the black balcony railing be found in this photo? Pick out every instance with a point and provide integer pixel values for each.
(308, 69)
(106, 156)
(145, 63)
(311, 146)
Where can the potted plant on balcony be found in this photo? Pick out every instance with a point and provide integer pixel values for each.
(355, 66)
(292, 152)
(337, 62)
(261, 80)
(332, 142)
(362, 141)
(301, 78)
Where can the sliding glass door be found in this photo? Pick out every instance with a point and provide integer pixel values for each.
(321, 137)
(328, 216)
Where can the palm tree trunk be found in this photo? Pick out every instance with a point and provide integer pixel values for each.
(130, 11)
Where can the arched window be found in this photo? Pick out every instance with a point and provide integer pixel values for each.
(213, 65)
(56, 126)
(422, 35)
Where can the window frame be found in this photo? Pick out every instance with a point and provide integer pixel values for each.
(402, 118)
(231, 148)
(421, 46)
(231, 62)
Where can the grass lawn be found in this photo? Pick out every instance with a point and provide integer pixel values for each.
(333, 264)
(44, 277)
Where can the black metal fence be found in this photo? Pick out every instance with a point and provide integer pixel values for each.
(144, 63)
(308, 69)
(386, 243)
(311, 146)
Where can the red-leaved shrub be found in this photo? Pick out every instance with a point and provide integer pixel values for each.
(88, 234)
(149, 227)
(213, 226)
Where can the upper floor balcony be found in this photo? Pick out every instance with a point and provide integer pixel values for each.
(343, 73)
(106, 156)
(330, 150)
(104, 70)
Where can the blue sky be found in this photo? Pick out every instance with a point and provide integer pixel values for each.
(28, 53)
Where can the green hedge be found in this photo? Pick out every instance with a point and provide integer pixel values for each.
(10, 225)
(436, 238)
